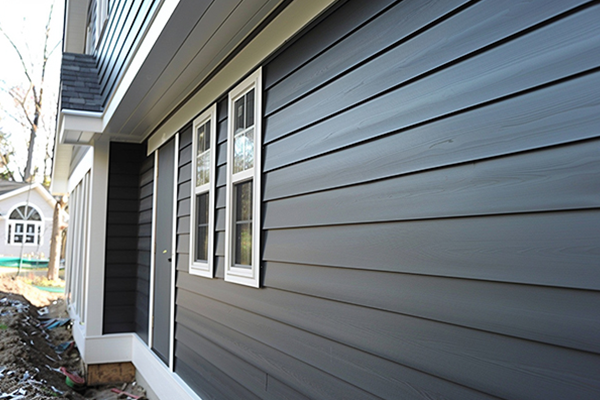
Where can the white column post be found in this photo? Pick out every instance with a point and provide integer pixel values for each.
(97, 239)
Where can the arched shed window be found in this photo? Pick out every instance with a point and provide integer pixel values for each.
(24, 226)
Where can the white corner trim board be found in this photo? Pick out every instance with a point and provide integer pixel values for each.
(291, 20)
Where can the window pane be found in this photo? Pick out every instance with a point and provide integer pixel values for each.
(243, 224)
(207, 135)
(243, 244)
(203, 168)
(201, 253)
(249, 155)
(30, 228)
(243, 147)
(203, 154)
(238, 123)
(250, 108)
(25, 213)
(16, 214)
(18, 238)
(243, 201)
(18, 228)
(29, 238)
(200, 135)
(9, 232)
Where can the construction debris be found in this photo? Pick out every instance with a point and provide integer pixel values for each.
(38, 358)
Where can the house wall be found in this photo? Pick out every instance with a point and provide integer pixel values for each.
(124, 291)
(430, 212)
(123, 32)
(14, 250)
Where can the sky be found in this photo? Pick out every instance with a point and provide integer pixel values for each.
(24, 22)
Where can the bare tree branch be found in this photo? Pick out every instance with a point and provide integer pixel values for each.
(14, 46)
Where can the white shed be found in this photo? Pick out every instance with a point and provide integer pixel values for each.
(25, 220)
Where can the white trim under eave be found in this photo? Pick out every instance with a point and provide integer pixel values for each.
(290, 21)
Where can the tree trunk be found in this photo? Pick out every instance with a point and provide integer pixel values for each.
(55, 242)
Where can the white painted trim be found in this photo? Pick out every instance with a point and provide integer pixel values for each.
(82, 113)
(290, 21)
(96, 240)
(81, 121)
(196, 268)
(173, 256)
(128, 347)
(82, 168)
(152, 254)
(244, 276)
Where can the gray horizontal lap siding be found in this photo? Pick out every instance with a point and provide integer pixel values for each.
(124, 30)
(128, 238)
(430, 212)
(121, 275)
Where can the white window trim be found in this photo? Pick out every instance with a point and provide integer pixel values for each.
(204, 269)
(39, 227)
(245, 276)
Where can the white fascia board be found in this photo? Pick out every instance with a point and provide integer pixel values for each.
(75, 120)
(290, 21)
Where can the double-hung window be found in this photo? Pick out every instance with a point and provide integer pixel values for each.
(202, 203)
(242, 252)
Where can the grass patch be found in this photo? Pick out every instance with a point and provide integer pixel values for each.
(45, 282)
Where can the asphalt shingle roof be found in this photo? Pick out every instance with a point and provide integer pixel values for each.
(80, 86)
(7, 186)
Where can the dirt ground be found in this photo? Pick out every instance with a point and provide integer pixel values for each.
(34, 346)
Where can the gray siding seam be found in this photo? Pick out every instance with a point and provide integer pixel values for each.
(419, 124)
(274, 370)
(491, 157)
(433, 71)
(407, 314)
(449, 322)
(372, 57)
(434, 218)
(353, 348)
(331, 45)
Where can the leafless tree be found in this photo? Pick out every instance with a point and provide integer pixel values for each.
(31, 111)
(29, 97)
